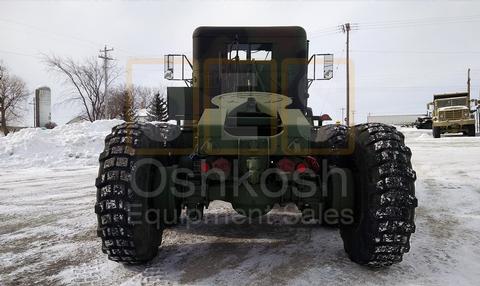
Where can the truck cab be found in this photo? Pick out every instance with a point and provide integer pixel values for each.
(244, 59)
(451, 114)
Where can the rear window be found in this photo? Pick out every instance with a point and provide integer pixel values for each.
(249, 52)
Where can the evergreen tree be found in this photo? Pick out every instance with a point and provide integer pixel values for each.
(158, 109)
(128, 113)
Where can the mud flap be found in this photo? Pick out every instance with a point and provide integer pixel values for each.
(167, 202)
(342, 184)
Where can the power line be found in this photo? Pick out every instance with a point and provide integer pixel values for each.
(414, 52)
(51, 34)
(20, 54)
(326, 30)
(396, 24)
(418, 22)
(332, 31)
(414, 24)
(408, 87)
(428, 72)
(425, 19)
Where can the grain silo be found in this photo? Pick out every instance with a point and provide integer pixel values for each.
(43, 102)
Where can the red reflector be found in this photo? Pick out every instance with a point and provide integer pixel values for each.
(301, 168)
(222, 164)
(325, 117)
(312, 163)
(204, 167)
(286, 165)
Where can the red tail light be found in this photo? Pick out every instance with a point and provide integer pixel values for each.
(286, 165)
(204, 166)
(222, 164)
(301, 167)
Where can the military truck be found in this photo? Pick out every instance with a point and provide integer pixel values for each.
(451, 114)
(245, 134)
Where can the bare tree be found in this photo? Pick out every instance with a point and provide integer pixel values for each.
(87, 81)
(121, 104)
(13, 91)
(142, 95)
(124, 101)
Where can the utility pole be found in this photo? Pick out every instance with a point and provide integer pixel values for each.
(469, 98)
(105, 58)
(2, 102)
(468, 84)
(346, 29)
(477, 103)
(477, 107)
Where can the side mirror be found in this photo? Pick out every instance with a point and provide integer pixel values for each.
(170, 61)
(168, 67)
(321, 74)
(429, 106)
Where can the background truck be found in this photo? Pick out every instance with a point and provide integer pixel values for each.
(424, 121)
(245, 134)
(451, 114)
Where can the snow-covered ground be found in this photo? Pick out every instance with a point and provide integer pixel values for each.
(47, 225)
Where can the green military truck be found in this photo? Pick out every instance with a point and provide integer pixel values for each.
(452, 114)
(245, 134)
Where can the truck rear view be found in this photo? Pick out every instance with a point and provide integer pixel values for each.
(245, 134)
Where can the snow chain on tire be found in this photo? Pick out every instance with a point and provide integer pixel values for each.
(384, 197)
(126, 235)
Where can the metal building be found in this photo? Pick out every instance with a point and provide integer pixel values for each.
(401, 119)
(43, 101)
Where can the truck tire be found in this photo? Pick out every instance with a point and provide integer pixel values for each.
(471, 131)
(436, 132)
(128, 231)
(383, 216)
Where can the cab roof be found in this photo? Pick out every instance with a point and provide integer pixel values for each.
(450, 95)
(264, 32)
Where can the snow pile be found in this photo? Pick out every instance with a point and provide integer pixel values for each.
(73, 145)
(411, 132)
